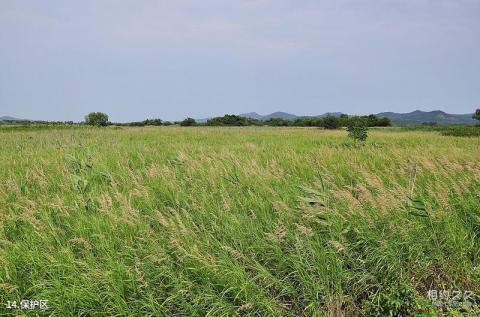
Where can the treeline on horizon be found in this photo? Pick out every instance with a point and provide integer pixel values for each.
(327, 122)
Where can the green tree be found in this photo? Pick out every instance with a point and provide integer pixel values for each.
(96, 119)
(476, 115)
(384, 122)
(343, 120)
(188, 122)
(331, 122)
(372, 120)
(357, 128)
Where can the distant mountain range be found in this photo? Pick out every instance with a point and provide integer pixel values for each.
(419, 117)
(5, 118)
(414, 117)
(284, 115)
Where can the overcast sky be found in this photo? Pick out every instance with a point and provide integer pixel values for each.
(175, 58)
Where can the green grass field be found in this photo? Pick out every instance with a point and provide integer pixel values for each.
(250, 221)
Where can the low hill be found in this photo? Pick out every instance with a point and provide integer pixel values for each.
(410, 118)
(284, 115)
(419, 117)
(8, 118)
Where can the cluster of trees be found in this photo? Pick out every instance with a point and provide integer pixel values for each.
(231, 120)
(148, 122)
(327, 122)
(101, 119)
(37, 122)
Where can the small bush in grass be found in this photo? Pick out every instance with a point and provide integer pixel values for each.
(357, 129)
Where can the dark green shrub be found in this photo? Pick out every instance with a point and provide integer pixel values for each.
(96, 119)
(384, 122)
(188, 122)
(331, 122)
(343, 119)
(357, 129)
